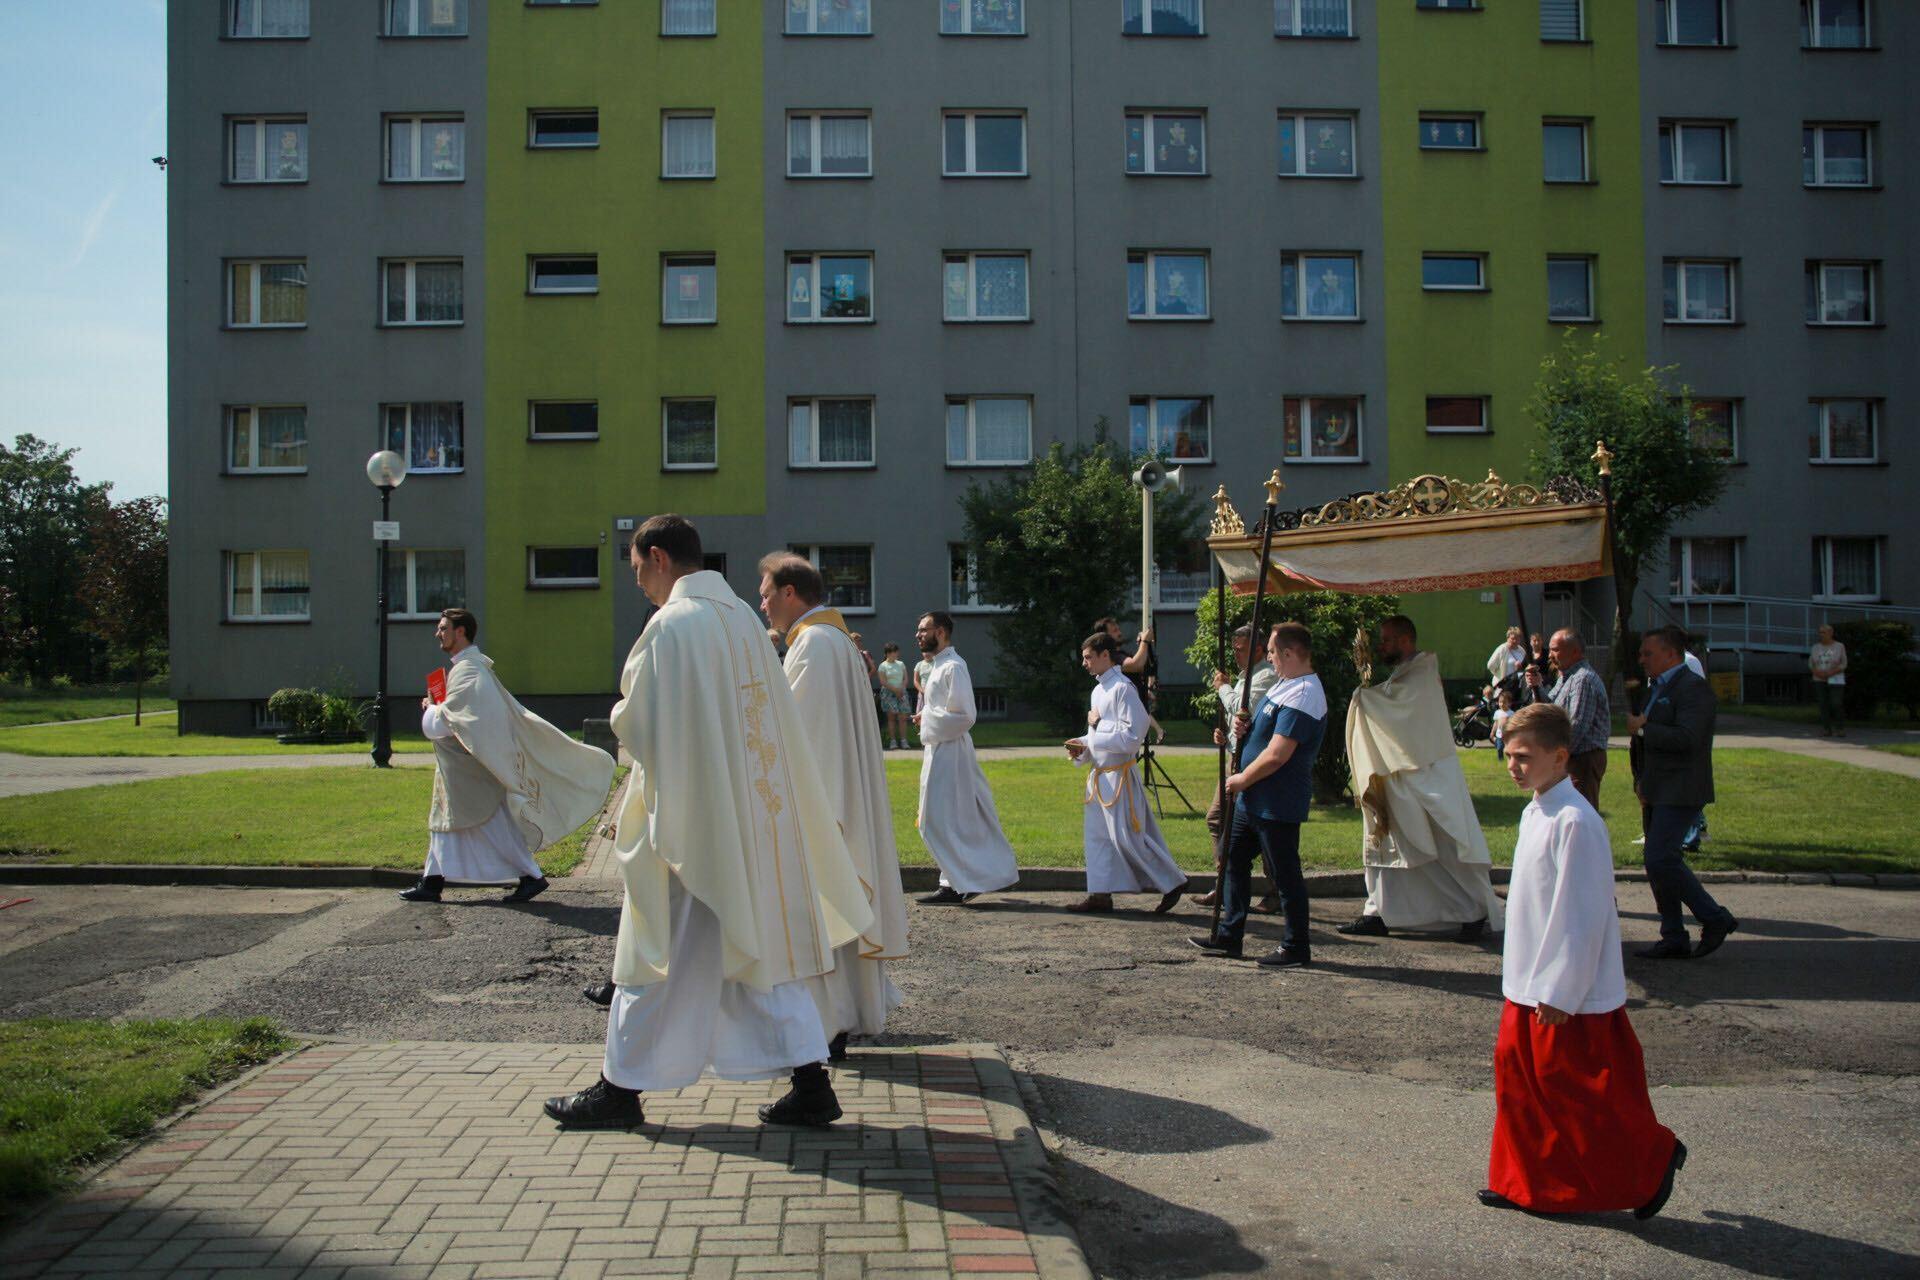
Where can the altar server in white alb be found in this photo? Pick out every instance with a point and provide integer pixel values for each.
(738, 884)
(830, 687)
(1425, 858)
(957, 818)
(1125, 852)
(506, 784)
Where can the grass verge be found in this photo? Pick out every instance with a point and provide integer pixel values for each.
(73, 1093)
(23, 704)
(159, 735)
(1900, 748)
(1886, 716)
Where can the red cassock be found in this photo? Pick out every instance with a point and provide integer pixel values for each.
(1573, 1128)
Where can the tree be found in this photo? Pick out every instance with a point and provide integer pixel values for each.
(1058, 544)
(124, 582)
(1661, 472)
(43, 536)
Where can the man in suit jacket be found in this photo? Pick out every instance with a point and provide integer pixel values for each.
(1672, 755)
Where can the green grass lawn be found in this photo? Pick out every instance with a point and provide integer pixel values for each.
(72, 1093)
(1182, 732)
(159, 735)
(22, 704)
(1900, 748)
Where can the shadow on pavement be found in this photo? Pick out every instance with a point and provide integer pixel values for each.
(1142, 1123)
(1762, 1247)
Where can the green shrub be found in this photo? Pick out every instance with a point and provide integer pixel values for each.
(301, 710)
(1877, 666)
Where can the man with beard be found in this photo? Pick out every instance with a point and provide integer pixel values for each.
(957, 818)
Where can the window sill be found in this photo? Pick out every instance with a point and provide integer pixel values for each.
(1480, 432)
(832, 466)
(267, 622)
(264, 328)
(1323, 320)
(563, 293)
(427, 35)
(1153, 173)
(983, 35)
(978, 609)
(1841, 48)
(423, 182)
(1662, 44)
(1846, 324)
(1455, 151)
(689, 177)
(1584, 40)
(1454, 288)
(689, 35)
(421, 324)
(1324, 177)
(1573, 320)
(987, 176)
(1158, 35)
(580, 585)
(688, 324)
(1569, 182)
(987, 320)
(1278, 35)
(255, 473)
(436, 471)
(1846, 462)
(264, 182)
(555, 437)
(1169, 319)
(988, 466)
(413, 617)
(563, 146)
(1816, 186)
(829, 324)
(1668, 182)
(678, 467)
(1704, 324)
(266, 39)
(831, 177)
(1848, 599)
(1325, 462)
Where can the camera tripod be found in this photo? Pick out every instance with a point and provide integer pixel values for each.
(1149, 768)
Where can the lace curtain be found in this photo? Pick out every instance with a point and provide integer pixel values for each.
(690, 434)
(1002, 430)
(436, 291)
(283, 293)
(846, 431)
(687, 17)
(1000, 287)
(284, 583)
(270, 17)
(689, 147)
(281, 439)
(689, 295)
(1170, 17)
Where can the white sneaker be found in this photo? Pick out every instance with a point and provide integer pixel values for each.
(1639, 839)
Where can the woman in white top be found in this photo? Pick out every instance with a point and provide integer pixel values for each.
(1828, 664)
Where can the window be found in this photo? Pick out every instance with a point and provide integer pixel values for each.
(1563, 146)
(1176, 427)
(1166, 286)
(422, 583)
(1715, 426)
(1844, 432)
(563, 566)
(1456, 415)
(1698, 291)
(1840, 293)
(1162, 17)
(1570, 288)
(989, 431)
(963, 580)
(1833, 24)
(689, 18)
(1689, 22)
(1846, 568)
(1693, 153)
(848, 572)
(1449, 133)
(829, 17)
(829, 146)
(563, 130)
(1447, 4)
(686, 144)
(1310, 19)
(688, 286)
(267, 19)
(1836, 155)
(428, 435)
(985, 286)
(824, 288)
(563, 420)
(1562, 20)
(830, 433)
(268, 586)
(1321, 428)
(267, 294)
(1184, 585)
(1703, 567)
(1317, 146)
(689, 435)
(426, 148)
(267, 149)
(554, 4)
(266, 439)
(426, 18)
(422, 291)
(563, 275)
(1167, 143)
(1458, 271)
(1319, 286)
(983, 18)
(982, 144)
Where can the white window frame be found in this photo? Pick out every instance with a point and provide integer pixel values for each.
(973, 604)
(234, 32)
(666, 450)
(1146, 20)
(1684, 570)
(1593, 310)
(972, 257)
(260, 125)
(972, 117)
(1820, 155)
(1289, 28)
(533, 274)
(257, 618)
(813, 21)
(1586, 150)
(411, 611)
(713, 30)
(1147, 118)
(813, 282)
(1682, 267)
(667, 263)
(417, 126)
(1301, 119)
(1580, 14)
(1306, 455)
(252, 411)
(412, 9)
(1479, 261)
(1149, 258)
(548, 584)
(411, 303)
(1810, 33)
(667, 117)
(539, 436)
(973, 460)
(813, 445)
(386, 410)
(536, 115)
(1454, 117)
(815, 159)
(253, 294)
(1734, 414)
(810, 552)
(1484, 429)
(1669, 37)
(1823, 409)
(1819, 267)
(1675, 152)
(1823, 546)
(1300, 315)
(966, 23)
(1153, 428)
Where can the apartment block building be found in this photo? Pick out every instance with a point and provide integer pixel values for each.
(807, 269)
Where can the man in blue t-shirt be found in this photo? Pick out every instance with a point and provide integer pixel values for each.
(1272, 792)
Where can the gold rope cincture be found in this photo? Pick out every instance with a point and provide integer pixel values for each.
(1095, 792)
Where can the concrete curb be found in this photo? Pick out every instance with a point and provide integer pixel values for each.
(1036, 1186)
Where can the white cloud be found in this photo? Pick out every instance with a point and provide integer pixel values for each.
(91, 224)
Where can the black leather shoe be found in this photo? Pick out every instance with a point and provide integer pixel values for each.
(1667, 949)
(809, 1103)
(600, 993)
(1365, 927)
(1494, 1200)
(1215, 945)
(428, 890)
(599, 1106)
(530, 888)
(1659, 1200)
(1712, 935)
(1472, 931)
(965, 898)
(837, 1048)
(945, 896)
(1281, 958)
(1171, 899)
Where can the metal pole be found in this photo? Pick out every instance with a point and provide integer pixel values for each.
(1220, 752)
(1623, 606)
(1146, 558)
(382, 728)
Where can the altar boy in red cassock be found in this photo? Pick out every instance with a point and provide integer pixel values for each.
(1574, 1129)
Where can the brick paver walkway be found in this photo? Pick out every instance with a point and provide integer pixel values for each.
(434, 1160)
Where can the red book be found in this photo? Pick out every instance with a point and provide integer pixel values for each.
(437, 685)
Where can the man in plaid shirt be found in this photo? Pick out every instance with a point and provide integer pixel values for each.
(1579, 691)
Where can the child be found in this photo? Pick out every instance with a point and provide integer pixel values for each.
(1574, 1129)
(1500, 717)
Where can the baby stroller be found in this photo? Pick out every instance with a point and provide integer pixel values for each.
(1474, 721)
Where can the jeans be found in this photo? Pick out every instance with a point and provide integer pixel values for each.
(1219, 821)
(1673, 882)
(1280, 843)
(1831, 698)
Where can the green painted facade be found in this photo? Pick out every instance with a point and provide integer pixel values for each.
(611, 346)
(1492, 63)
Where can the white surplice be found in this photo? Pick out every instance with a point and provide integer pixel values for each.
(738, 883)
(1426, 860)
(1124, 849)
(1563, 926)
(836, 709)
(957, 819)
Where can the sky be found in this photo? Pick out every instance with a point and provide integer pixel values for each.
(83, 234)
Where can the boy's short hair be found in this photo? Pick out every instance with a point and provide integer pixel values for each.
(1295, 636)
(673, 534)
(1100, 642)
(1549, 727)
(463, 620)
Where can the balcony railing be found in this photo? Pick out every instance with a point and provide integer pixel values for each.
(1773, 624)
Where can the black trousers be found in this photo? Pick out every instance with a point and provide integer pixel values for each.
(1248, 839)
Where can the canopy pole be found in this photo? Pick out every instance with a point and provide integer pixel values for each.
(1624, 651)
(1256, 650)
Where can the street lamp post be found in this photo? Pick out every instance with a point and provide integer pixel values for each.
(385, 470)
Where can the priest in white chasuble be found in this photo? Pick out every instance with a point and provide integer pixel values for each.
(957, 818)
(1426, 860)
(738, 883)
(1125, 851)
(506, 784)
(830, 687)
